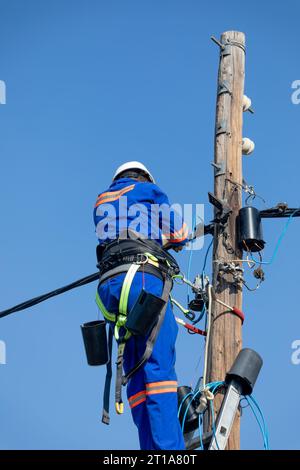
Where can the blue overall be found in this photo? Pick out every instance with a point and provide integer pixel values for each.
(152, 390)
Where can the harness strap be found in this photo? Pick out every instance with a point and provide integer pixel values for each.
(105, 412)
(107, 315)
(126, 288)
(154, 333)
(120, 320)
(118, 390)
(149, 267)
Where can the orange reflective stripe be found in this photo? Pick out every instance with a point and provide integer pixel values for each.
(133, 397)
(162, 390)
(113, 195)
(179, 235)
(177, 240)
(137, 399)
(142, 400)
(154, 388)
(161, 384)
(165, 386)
(183, 229)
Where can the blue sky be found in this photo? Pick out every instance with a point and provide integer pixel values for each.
(89, 86)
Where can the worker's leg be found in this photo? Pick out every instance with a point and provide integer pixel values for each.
(159, 377)
(110, 293)
(136, 392)
(152, 390)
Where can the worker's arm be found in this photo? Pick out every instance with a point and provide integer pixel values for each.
(174, 230)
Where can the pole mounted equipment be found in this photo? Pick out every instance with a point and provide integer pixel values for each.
(225, 337)
(248, 146)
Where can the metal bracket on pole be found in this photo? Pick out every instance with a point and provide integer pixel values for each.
(219, 168)
(222, 127)
(226, 50)
(224, 88)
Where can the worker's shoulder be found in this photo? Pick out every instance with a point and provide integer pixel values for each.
(150, 188)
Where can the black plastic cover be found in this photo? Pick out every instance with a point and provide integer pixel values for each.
(249, 229)
(245, 370)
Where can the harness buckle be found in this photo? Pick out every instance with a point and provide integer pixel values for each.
(119, 408)
(141, 258)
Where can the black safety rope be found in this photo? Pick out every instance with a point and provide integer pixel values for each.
(41, 298)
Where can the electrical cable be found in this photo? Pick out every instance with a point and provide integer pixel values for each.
(48, 295)
(190, 394)
(213, 385)
(190, 257)
(206, 256)
(213, 423)
(200, 431)
(207, 334)
(282, 235)
(262, 426)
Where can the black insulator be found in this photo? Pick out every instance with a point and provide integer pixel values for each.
(249, 229)
(245, 370)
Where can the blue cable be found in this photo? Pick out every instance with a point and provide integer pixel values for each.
(182, 401)
(200, 432)
(202, 313)
(278, 241)
(206, 256)
(190, 259)
(187, 409)
(262, 426)
(266, 432)
(213, 423)
(213, 385)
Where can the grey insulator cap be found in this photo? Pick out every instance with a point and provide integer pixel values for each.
(245, 370)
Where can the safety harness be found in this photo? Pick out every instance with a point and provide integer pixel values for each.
(130, 255)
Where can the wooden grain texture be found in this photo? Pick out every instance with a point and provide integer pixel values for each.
(226, 332)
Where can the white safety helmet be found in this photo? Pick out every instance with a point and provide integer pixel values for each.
(133, 166)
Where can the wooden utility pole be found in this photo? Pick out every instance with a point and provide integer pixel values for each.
(226, 329)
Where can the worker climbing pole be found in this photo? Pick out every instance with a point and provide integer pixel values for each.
(136, 276)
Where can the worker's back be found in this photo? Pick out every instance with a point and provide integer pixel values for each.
(139, 206)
